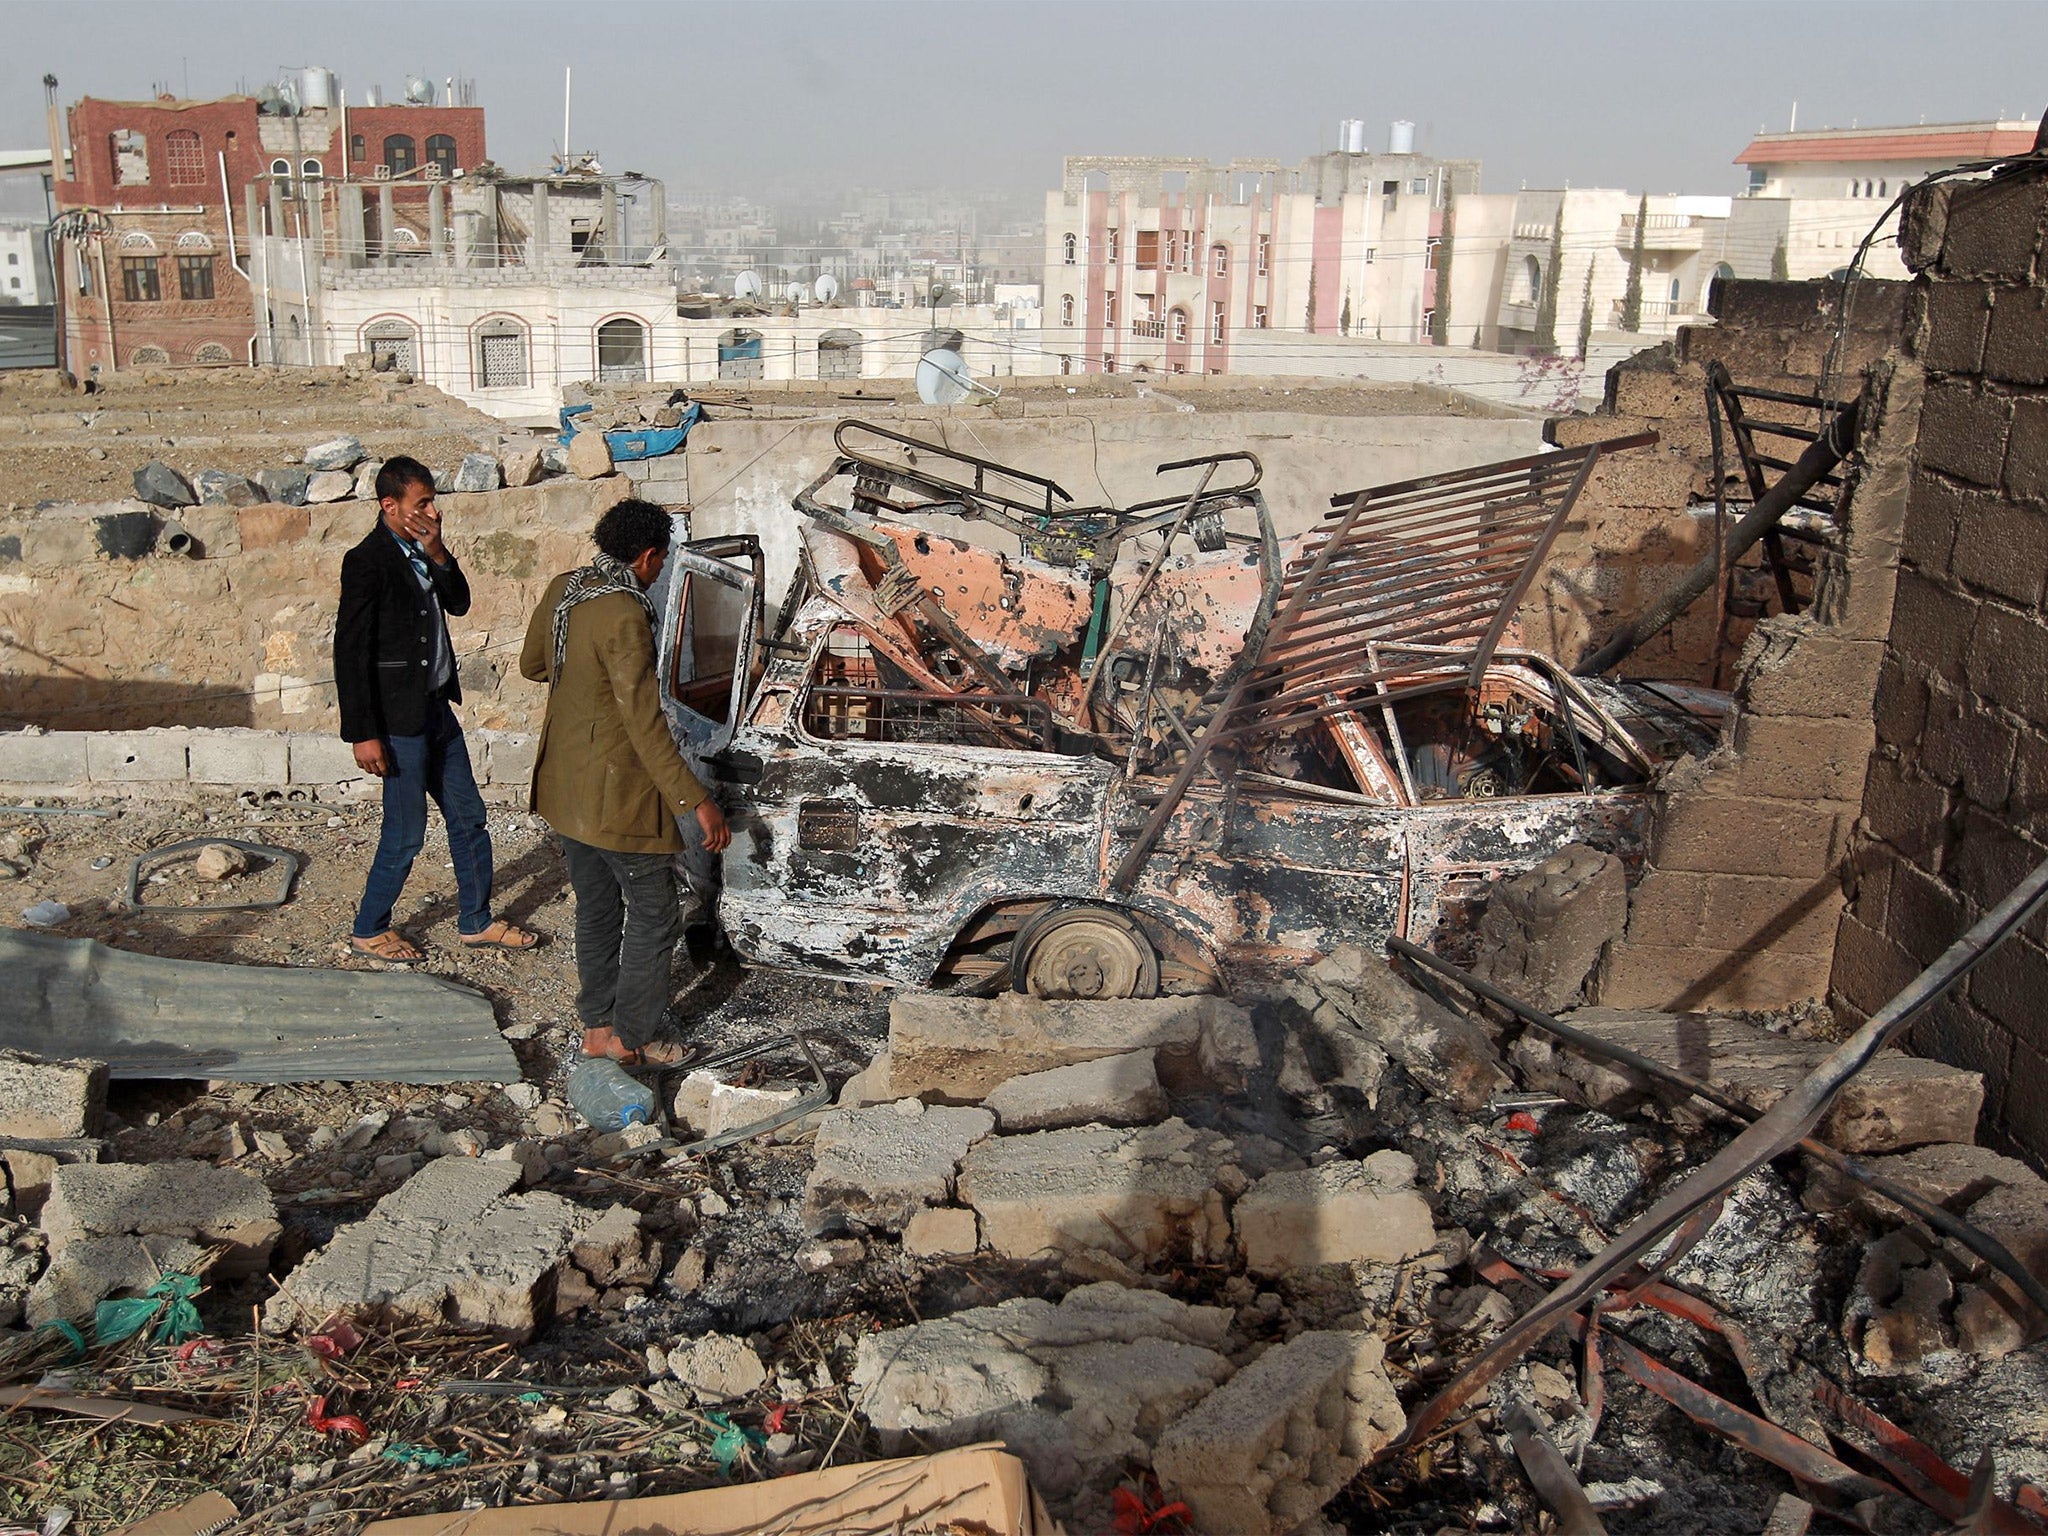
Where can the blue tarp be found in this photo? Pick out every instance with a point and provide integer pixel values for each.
(639, 443)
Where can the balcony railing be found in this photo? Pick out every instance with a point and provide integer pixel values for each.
(1155, 329)
(1663, 231)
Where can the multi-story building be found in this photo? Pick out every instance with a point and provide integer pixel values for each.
(164, 198)
(21, 259)
(1181, 266)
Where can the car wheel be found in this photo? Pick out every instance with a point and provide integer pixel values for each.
(1084, 952)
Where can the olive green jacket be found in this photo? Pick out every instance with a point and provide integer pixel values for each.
(608, 772)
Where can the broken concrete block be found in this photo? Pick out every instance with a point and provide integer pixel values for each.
(330, 485)
(171, 1199)
(1076, 1389)
(870, 1085)
(938, 1232)
(1984, 1326)
(337, 453)
(283, 487)
(1545, 929)
(609, 1244)
(881, 1164)
(958, 1049)
(710, 1107)
(51, 1100)
(162, 486)
(1895, 1315)
(717, 1367)
(521, 466)
(590, 456)
(1357, 1006)
(450, 1244)
(366, 479)
(1135, 1194)
(1337, 1213)
(86, 1272)
(218, 488)
(1268, 1449)
(1111, 1090)
(477, 472)
(28, 1179)
(1898, 1101)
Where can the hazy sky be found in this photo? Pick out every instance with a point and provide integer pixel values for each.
(771, 97)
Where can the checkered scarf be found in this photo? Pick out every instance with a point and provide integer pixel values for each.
(602, 577)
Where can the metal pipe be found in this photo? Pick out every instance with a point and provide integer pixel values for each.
(1979, 1242)
(1819, 459)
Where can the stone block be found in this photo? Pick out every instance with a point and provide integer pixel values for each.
(31, 1164)
(239, 757)
(2026, 454)
(30, 758)
(273, 523)
(2016, 349)
(1358, 1010)
(366, 480)
(88, 1271)
(1340, 1212)
(58, 541)
(330, 485)
(318, 758)
(1544, 930)
(285, 487)
(51, 1100)
(1993, 229)
(1962, 432)
(216, 531)
(2001, 548)
(718, 1368)
(218, 488)
(1898, 1101)
(1792, 667)
(607, 1245)
(2007, 660)
(335, 455)
(521, 466)
(477, 472)
(1137, 1194)
(168, 1199)
(1958, 314)
(1931, 625)
(153, 756)
(1110, 1090)
(710, 1107)
(1732, 834)
(1793, 759)
(590, 456)
(1262, 1454)
(960, 1048)
(938, 1232)
(509, 756)
(452, 1244)
(162, 486)
(1971, 748)
(880, 1165)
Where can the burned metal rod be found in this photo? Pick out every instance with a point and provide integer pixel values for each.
(1819, 459)
(1979, 1242)
(1777, 1131)
(1550, 1474)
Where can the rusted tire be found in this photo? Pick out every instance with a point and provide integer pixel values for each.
(1084, 952)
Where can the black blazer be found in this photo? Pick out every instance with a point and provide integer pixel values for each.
(384, 638)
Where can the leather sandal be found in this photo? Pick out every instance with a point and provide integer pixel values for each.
(390, 946)
(656, 1053)
(500, 935)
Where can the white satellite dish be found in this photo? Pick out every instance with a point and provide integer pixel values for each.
(747, 285)
(943, 379)
(826, 289)
(796, 293)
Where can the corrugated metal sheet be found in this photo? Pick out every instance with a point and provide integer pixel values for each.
(149, 1017)
(1972, 142)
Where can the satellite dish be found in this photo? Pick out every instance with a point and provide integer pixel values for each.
(796, 293)
(747, 285)
(826, 289)
(943, 379)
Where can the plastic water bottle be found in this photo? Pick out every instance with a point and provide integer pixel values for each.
(607, 1096)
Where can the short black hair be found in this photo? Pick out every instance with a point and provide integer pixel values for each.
(631, 528)
(399, 473)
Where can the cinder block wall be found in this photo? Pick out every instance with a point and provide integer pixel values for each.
(1955, 810)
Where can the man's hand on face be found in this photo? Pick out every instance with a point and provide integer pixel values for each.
(414, 516)
(372, 758)
(711, 820)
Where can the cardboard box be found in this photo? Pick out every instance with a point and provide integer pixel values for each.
(202, 1516)
(978, 1487)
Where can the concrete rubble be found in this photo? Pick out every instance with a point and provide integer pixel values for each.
(50, 1100)
(880, 1165)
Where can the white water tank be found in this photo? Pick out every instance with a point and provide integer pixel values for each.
(316, 88)
(1351, 136)
(419, 91)
(1401, 137)
(373, 97)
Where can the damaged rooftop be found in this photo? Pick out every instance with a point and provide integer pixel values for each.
(1295, 957)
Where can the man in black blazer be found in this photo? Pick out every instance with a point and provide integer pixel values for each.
(395, 677)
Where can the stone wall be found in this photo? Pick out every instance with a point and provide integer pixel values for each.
(1956, 806)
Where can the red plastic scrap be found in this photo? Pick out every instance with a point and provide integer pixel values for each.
(337, 1341)
(337, 1424)
(1131, 1515)
(1522, 1120)
(772, 1423)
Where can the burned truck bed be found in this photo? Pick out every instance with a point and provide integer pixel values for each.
(993, 739)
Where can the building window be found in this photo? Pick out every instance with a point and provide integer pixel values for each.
(1419, 186)
(311, 170)
(1187, 252)
(183, 159)
(1258, 317)
(1111, 239)
(1066, 309)
(392, 344)
(1265, 253)
(195, 240)
(1372, 254)
(1147, 253)
(1177, 324)
(1219, 261)
(1109, 309)
(1532, 280)
(1758, 178)
(399, 154)
(131, 157)
(441, 152)
(195, 277)
(501, 354)
(1109, 362)
(358, 149)
(213, 353)
(1172, 249)
(839, 355)
(622, 349)
(1066, 363)
(281, 173)
(1216, 323)
(13, 259)
(138, 280)
(1067, 242)
(153, 357)
(1390, 189)
(1882, 188)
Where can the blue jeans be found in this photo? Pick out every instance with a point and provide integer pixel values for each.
(436, 764)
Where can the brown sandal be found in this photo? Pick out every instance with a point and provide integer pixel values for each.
(390, 946)
(656, 1053)
(500, 935)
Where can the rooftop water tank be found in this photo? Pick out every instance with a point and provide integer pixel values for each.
(419, 91)
(316, 87)
(1401, 137)
(1351, 136)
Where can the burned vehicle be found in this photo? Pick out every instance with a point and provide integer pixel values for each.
(1101, 752)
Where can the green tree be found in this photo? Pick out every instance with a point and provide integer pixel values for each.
(1781, 268)
(1309, 320)
(1344, 319)
(1546, 305)
(1632, 295)
(1440, 318)
(1586, 316)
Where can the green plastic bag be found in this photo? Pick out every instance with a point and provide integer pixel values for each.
(731, 1440)
(113, 1321)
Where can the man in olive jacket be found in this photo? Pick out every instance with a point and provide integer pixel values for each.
(611, 781)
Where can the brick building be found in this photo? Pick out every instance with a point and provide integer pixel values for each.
(155, 218)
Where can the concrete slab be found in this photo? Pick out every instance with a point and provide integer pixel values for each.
(1337, 1213)
(51, 1100)
(1111, 1090)
(86, 1272)
(170, 1199)
(882, 1164)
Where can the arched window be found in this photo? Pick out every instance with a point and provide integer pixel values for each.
(739, 354)
(213, 353)
(622, 349)
(400, 155)
(136, 240)
(195, 240)
(149, 357)
(839, 355)
(1883, 187)
(1532, 280)
(1710, 299)
(392, 343)
(310, 169)
(441, 152)
(1177, 324)
(1066, 309)
(185, 160)
(281, 172)
(1066, 363)
(501, 353)
(1069, 243)
(1219, 261)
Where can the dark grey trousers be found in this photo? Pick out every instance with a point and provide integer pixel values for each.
(627, 925)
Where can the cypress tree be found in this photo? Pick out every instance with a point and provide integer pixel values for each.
(1781, 268)
(1632, 295)
(1440, 318)
(1586, 317)
(1546, 306)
